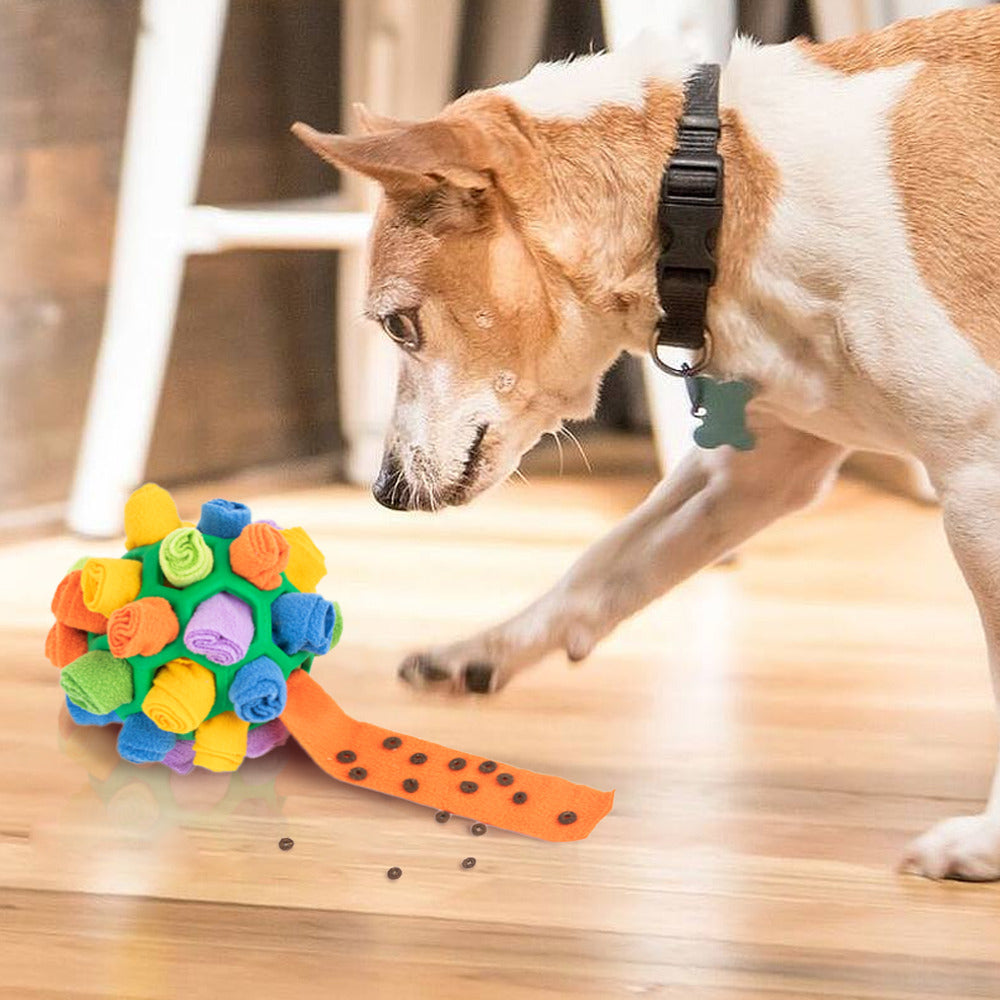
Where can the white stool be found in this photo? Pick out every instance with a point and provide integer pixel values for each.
(398, 56)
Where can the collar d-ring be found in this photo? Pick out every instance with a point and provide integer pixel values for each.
(699, 363)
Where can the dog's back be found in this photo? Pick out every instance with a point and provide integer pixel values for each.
(945, 154)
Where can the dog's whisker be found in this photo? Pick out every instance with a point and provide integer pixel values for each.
(520, 475)
(555, 437)
(579, 447)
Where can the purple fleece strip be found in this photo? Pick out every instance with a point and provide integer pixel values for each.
(221, 629)
(180, 757)
(266, 738)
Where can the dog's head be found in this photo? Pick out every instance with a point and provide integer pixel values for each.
(496, 341)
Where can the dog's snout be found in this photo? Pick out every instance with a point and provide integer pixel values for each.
(390, 487)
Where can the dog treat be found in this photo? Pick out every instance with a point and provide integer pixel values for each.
(394, 873)
(286, 843)
(468, 862)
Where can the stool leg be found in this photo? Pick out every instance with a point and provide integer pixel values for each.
(173, 79)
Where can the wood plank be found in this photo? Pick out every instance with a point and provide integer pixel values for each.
(775, 731)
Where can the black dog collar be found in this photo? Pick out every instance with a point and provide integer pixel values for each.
(689, 216)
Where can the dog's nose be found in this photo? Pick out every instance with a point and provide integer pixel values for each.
(391, 488)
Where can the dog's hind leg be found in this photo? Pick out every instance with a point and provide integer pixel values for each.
(711, 504)
(968, 847)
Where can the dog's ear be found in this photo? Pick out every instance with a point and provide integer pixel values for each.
(412, 160)
(371, 122)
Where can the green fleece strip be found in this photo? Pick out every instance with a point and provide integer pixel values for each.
(185, 557)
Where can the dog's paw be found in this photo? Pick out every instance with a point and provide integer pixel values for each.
(965, 847)
(451, 673)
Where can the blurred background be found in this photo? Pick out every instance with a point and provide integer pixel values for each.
(248, 320)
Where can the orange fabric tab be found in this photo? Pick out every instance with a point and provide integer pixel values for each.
(142, 628)
(68, 606)
(260, 555)
(64, 644)
(538, 805)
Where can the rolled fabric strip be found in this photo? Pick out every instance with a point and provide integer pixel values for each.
(142, 628)
(181, 696)
(185, 557)
(110, 584)
(258, 691)
(150, 514)
(303, 622)
(220, 629)
(142, 742)
(64, 644)
(180, 757)
(84, 718)
(220, 743)
(98, 682)
(259, 555)
(306, 565)
(266, 738)
(223, 518)
(69, 609)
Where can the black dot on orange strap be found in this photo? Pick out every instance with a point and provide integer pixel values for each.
(456, 763)
(477, 829)
(442, 816)
(357, 774)
(411, 785)
(519, 797)
(488, 766)
(469, 787)
(505, 779)
(392, 743)
(347, 756)
(418, 758)
(567, 817)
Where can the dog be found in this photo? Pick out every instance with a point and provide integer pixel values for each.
(513, 258)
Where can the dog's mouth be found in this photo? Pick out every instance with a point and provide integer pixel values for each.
(473, 459)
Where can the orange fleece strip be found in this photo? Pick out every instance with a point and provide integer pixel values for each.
(142, 628)
(538, 805)
(68, 606)
(64, 644)
(260, 555)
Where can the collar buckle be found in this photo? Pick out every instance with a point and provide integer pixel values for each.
(690, 213)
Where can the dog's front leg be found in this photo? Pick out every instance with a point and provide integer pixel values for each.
(712, 503)
(968, 847)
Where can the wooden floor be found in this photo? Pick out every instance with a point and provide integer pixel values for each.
(776, 732)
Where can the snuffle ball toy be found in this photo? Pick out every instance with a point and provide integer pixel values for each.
(198, 642)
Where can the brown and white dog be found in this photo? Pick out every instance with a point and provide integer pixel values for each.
(513, 259)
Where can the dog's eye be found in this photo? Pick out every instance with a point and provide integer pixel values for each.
(403, 328)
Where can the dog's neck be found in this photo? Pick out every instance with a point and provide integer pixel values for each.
(596, 211)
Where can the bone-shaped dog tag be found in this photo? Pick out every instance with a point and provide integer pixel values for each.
(721, 407)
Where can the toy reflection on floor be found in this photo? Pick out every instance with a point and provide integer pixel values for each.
(198, 643)
(154, 801)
